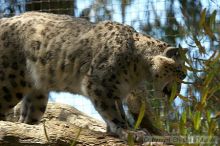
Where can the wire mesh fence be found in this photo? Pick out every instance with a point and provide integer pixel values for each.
(162, 19)
(148, 16)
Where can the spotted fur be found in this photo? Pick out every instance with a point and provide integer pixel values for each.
(43, 52)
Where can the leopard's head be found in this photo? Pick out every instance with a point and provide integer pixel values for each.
(168, 70)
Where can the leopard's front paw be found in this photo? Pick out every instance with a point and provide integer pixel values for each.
(137, 135)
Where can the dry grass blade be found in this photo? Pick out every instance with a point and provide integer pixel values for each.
(45, 131)
(77, 136)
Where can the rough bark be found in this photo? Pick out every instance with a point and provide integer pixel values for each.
(59, 127)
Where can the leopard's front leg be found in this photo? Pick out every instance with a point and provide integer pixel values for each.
(33, 106)
(108, 102)
(150, 121)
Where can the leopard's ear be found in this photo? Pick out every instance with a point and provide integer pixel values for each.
(174, 52)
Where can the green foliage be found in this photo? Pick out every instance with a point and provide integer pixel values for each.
(199, 111)
(182, 126)
(197, 120)
(205, 85)
(141, 115)
(173, 92)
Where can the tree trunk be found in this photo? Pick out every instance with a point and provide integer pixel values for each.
(59, 127)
